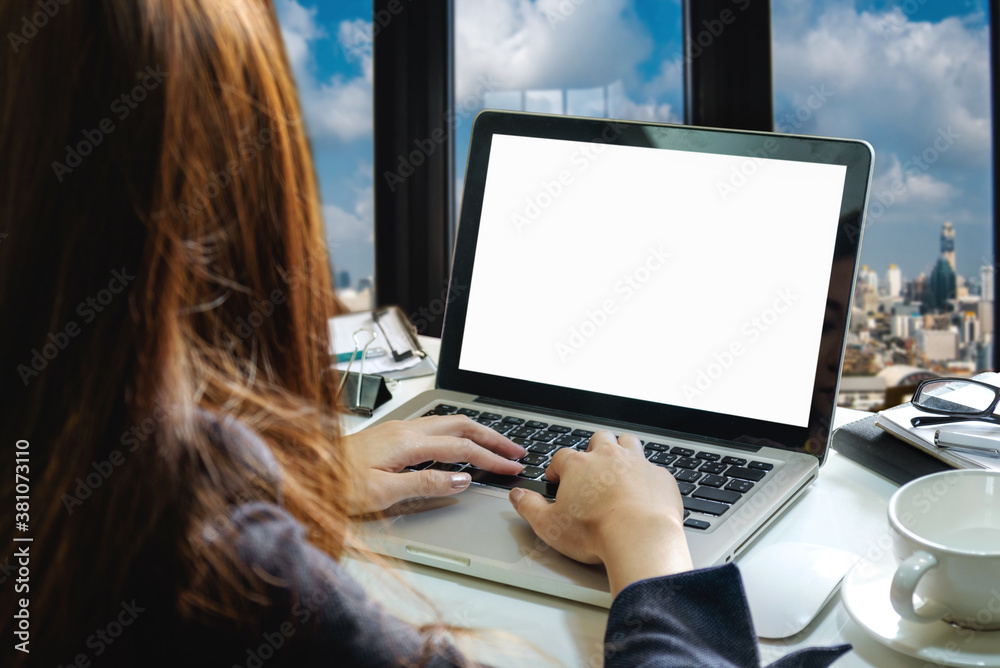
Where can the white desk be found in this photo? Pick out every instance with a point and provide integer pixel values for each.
(845, 507)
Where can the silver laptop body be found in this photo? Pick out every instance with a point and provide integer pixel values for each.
(688, 285)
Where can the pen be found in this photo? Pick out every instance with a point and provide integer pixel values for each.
(982, 444)
(372, 354)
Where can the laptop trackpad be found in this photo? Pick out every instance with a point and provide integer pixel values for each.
(474, 522)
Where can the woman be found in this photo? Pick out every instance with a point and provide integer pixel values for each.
(166, 289)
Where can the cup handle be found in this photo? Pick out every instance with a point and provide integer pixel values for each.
(904, 582)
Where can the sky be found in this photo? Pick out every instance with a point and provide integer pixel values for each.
(910, 77)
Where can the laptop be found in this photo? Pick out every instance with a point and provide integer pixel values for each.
(689, 285)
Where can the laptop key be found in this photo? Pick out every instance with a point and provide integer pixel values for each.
(430, 412)
(542, 486)
(741, 486)
(688, 475)
(692, 523)
(559, 429)
(544, 436)
(541, 448)
(663, 458)
(532, 472)
(521, 432)
(714, 481)
(734, 461)
(687, 463)
(754, 475)
(568, 441)
(534, 459)
(656, 446)
(708, 456)
(445, 466)
(713, 467)
(704, 507)
(582, 433)
(445, 409)
(492, 417)
(681, 452)
(761, 466)
(685, 488)
(720, 495)
(523, 442)
(510, 419)
(501, 427)
(535, 424)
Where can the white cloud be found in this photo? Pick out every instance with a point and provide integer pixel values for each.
(547, 44)
(339, 108)
(355, 225)
(894, 81)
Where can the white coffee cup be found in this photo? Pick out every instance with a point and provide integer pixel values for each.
(946, 538)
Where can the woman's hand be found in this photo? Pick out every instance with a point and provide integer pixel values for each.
(379, 454)
(612, 506)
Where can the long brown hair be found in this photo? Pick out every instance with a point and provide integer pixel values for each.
(161, 258)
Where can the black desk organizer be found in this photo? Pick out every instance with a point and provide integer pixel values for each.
(883, 453)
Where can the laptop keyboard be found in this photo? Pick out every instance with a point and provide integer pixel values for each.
(710, 483)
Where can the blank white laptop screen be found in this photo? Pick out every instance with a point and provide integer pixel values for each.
(674, 277)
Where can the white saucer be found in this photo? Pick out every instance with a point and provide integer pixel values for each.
(865, 593)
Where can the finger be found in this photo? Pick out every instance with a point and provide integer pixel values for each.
(397, 487)
(466, 427)
(558, 463)
(601, 437)
(531, 506)
(458, 449)
(630, 441)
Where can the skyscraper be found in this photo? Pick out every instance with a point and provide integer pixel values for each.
(948, 244)
(942, 283)
(895, 280)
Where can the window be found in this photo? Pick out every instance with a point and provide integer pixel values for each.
(330, 48)
(913, 79)
(604, 59)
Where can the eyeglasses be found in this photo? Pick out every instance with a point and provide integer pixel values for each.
(955, 400)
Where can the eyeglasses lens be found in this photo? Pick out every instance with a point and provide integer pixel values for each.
(956, 397)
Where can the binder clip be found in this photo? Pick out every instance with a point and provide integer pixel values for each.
(359, 393)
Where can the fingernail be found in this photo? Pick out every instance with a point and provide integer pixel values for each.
(515, 495)
(460, 480)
